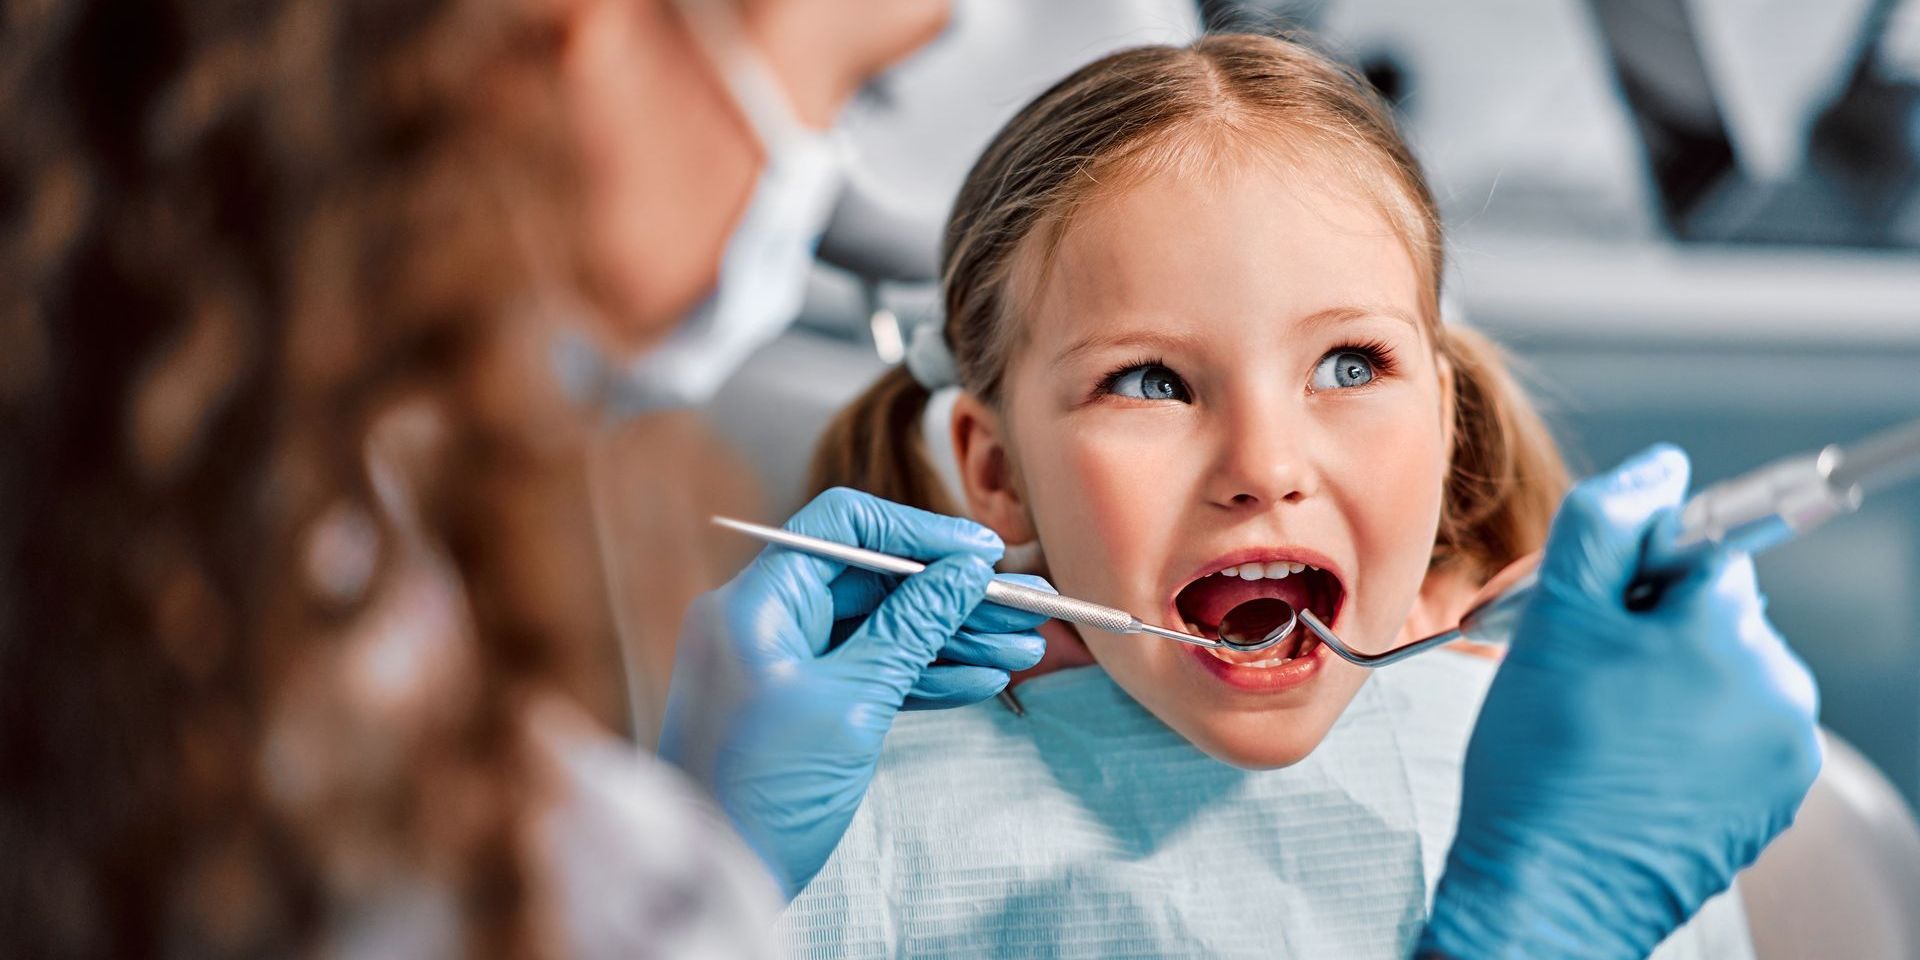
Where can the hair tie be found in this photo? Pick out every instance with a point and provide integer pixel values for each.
(928, 360)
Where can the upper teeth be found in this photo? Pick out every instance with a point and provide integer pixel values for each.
(1275, 570)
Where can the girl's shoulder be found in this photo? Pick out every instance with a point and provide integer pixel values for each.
(1431, 703)
(1446, 685)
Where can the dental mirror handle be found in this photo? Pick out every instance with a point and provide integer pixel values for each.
(1751, 512)
(1006, 593)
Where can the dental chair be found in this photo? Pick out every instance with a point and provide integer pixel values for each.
(1844, 881)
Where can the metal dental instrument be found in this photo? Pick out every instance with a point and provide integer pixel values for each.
(1752, 512)
(1003, 592)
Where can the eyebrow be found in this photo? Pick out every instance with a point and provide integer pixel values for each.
(1171, 342)
(1136, 339)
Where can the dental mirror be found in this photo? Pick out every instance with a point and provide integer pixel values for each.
(1264, 621)
(1258, 624)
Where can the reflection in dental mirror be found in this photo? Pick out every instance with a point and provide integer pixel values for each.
(1259, 623)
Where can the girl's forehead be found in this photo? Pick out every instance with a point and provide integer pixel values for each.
(1248, 242)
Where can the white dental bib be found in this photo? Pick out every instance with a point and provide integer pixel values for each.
(1089, 829)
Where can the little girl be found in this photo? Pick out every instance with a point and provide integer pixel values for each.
(1193, 355)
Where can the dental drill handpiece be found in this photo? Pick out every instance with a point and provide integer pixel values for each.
(1751, 512)
(1003, 592)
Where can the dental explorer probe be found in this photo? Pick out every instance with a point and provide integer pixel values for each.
(1003, 592)
(1751, 512)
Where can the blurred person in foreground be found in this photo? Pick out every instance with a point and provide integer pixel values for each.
(301, 596)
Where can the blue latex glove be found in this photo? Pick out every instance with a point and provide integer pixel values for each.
(1625, 763)
(787, 679)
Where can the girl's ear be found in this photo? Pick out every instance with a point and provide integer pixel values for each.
(988, 480)
(1449, 397)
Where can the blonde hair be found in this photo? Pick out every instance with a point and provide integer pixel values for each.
(1157, 109)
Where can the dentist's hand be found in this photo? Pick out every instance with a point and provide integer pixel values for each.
(1626, 763)
(788, 678)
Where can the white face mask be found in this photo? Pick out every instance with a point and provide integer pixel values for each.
(763, 273)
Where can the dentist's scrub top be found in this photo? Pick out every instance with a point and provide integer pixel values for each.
(627, 858)
(1090, 829)
(630, 859)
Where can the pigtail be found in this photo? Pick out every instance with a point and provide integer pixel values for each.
(1508, 475)
(875, 445)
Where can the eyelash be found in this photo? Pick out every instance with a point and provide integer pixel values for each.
(1377, 353)
(1112, 377)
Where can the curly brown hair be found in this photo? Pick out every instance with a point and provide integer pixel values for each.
(235, 235)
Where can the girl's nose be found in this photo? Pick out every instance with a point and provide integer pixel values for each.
(1262, 461)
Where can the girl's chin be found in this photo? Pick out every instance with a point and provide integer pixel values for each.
(1251, 730)
(1264, 743)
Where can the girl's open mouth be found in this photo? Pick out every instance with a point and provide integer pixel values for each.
(1202, 603)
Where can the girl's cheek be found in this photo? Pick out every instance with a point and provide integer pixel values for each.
(1407, 457)
(1101, 494)
(1096, 487)
(1394, 501)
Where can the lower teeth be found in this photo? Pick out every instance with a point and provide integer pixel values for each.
(1269, 662)
(1200, 631)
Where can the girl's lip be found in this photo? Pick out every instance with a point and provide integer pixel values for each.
(1312, 558)
(1267, 680)
(1175, 619)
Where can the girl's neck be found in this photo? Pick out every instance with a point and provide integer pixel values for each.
(1445, 597)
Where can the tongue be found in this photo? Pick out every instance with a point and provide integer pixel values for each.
(1208, 599)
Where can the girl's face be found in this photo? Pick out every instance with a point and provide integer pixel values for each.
(1227, 392)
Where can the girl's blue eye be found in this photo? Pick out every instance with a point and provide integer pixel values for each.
(1343, 369)
(1149, 381)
